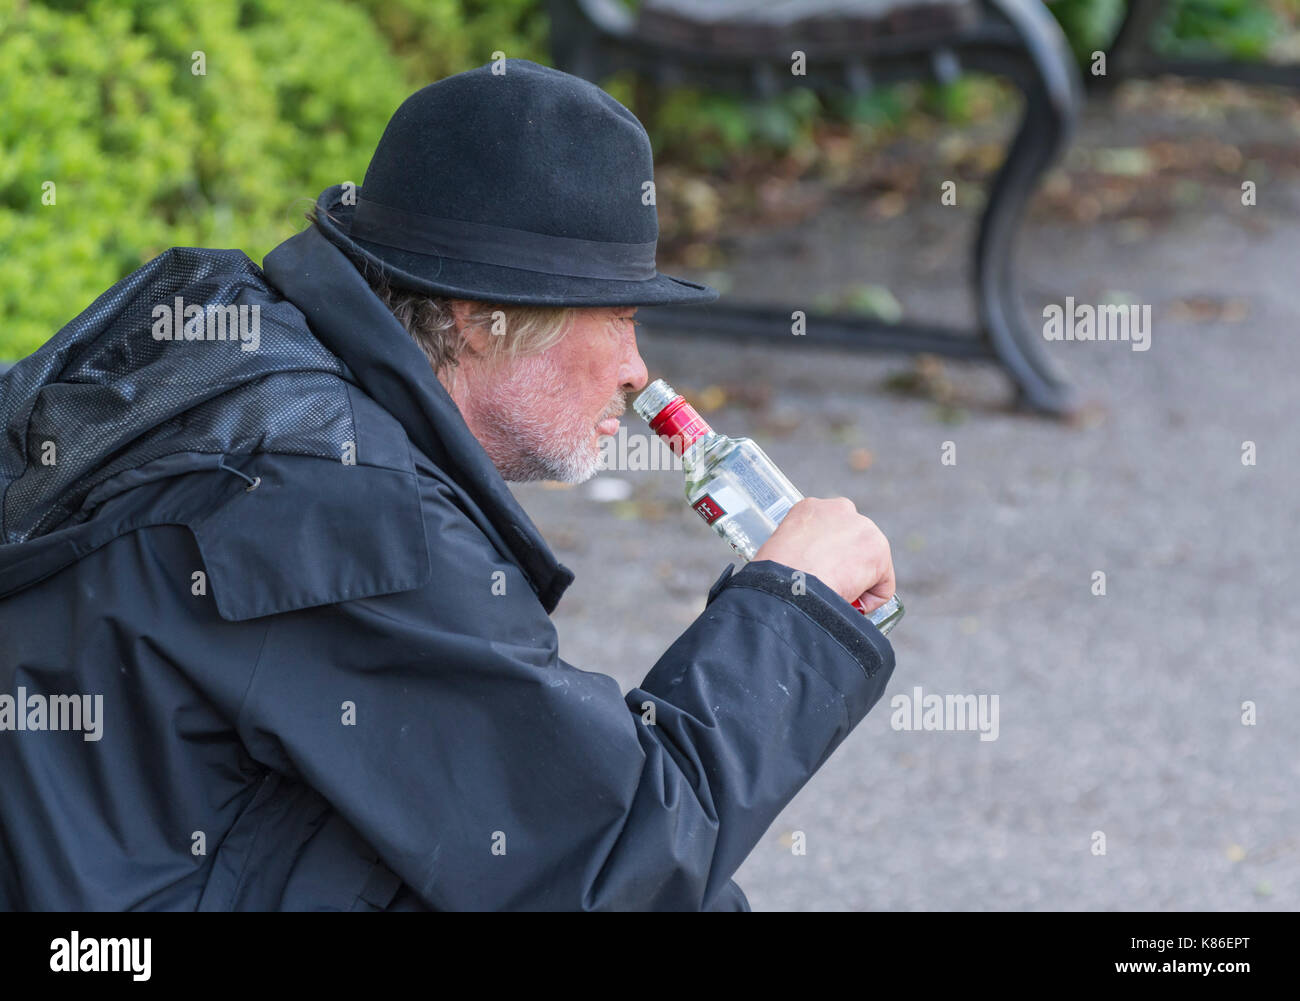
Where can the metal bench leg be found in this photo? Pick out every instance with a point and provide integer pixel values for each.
(1052, 92)
(1019, 346)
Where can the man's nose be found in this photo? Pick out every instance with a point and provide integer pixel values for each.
(633, 375)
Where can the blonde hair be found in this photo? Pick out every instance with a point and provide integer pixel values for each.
(431, 321)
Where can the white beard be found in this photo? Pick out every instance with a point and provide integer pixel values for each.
(560, 446)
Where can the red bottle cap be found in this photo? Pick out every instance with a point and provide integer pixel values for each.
(679, 425)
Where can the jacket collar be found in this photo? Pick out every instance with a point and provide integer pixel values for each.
(347, 317)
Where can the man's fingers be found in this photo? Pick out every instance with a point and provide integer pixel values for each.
(883, 589)
(870, 602)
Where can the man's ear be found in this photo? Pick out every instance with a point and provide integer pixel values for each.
(475, 336)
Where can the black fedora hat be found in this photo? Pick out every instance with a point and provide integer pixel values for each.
(512, 183)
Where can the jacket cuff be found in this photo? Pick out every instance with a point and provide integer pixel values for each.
(719, 584)
(849, 627)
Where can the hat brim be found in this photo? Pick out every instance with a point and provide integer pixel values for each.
(447, 276)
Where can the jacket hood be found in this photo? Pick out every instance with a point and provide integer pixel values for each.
(179, 358)
(196, 359)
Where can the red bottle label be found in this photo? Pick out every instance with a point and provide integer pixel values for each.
(708, 509)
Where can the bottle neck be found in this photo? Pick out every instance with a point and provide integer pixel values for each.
(692, 456)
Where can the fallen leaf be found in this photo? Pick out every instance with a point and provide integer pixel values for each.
(710, 398)
(1129, 161)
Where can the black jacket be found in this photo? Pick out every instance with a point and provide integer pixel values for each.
(279, 569)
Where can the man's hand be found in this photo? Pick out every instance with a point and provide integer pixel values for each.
(830, 540)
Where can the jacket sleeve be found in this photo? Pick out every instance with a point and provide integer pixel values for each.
(488, 773)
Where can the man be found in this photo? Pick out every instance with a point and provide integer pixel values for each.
(275, 631)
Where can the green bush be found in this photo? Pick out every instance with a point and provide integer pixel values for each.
(1239, 29)
(100, 99)
(1089, 24)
